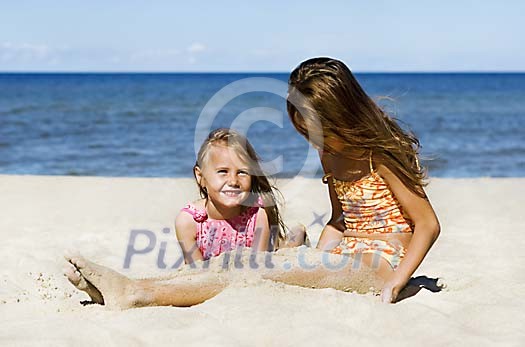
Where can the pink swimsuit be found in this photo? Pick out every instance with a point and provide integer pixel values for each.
(215, 236)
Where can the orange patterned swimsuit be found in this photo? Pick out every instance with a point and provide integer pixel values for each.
(370, 207)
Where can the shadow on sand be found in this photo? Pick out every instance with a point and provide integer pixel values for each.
(417, 283)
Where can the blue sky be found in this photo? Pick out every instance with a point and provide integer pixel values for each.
(261, 36)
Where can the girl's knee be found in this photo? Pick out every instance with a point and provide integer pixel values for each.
(297, 236)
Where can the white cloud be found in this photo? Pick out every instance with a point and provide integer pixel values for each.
(26, 52)
(196, 47)
(22, 56)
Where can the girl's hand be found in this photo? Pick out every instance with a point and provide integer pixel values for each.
(391, 290)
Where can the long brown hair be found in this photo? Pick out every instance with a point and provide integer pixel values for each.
(260, 184)
(332, 97)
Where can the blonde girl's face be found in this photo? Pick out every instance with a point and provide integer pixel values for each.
(225, 177)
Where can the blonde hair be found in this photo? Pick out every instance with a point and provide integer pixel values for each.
(260, 184)
(332, 97)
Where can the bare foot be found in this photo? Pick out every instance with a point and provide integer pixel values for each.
(75, 277)
(297, 236)
(117, 291)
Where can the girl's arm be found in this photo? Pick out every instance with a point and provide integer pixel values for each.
(186, 231)
(426, 231)
(261, 239)
(332, 233)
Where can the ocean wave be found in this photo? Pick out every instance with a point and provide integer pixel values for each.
(19, 110)
(145, 125)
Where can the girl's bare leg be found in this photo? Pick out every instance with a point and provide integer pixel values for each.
(119, 291)
(303, 267)
(381, 267)
(312, 268)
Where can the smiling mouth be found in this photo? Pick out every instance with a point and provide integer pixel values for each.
(232, 193)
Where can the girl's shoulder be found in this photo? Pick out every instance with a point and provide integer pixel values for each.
(198, 204)
(185, 224)
(196, 209)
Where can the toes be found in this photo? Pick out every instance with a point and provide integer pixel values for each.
(76, 260)
(68, 271)
(73, 276)
(70, 254)
(86, 269)
(76, 279)
(80, 262)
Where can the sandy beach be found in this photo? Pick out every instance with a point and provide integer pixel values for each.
(479, 255)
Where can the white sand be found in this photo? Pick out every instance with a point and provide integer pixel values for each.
(480, 254)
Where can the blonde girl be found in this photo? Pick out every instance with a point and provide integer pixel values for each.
(238, 206)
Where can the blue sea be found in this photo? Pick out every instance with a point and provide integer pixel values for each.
(469, 125)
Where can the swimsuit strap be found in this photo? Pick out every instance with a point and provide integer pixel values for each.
(199, 215)
(370, 162)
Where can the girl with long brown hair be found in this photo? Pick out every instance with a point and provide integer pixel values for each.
(380, 212)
